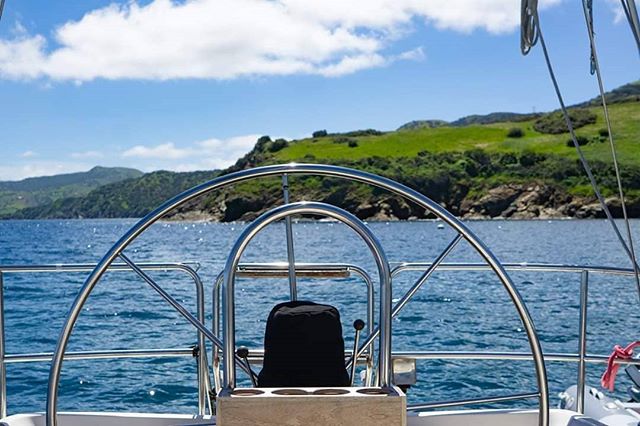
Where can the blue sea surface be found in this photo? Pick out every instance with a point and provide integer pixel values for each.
(454, 311)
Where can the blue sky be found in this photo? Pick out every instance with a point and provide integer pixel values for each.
(190, 84)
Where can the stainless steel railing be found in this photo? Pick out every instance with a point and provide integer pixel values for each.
(358, 227)
(580, 357)
(199, 352)
(301, 270)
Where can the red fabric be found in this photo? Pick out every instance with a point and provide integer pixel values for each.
(608, 379)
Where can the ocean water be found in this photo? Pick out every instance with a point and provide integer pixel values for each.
(454, 311)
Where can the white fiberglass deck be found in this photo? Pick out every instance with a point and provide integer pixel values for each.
(441, 418)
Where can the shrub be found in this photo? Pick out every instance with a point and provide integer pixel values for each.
(508, 159)
(528, 158)
(353, 143)
(582, 140)
(365, 132)
(262, 142)
(515, 132)
(344, 139)
(319, 134)
(554, 123)
(604, 133)
(278, 144)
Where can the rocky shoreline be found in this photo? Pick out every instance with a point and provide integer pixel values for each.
(535, 202)
(507, 202)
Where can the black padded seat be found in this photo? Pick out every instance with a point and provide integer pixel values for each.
(303, 347)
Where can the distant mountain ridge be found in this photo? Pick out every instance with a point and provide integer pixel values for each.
(494, 117)
(133, 197)
(38, 191)
(95, 177)
(627, 93)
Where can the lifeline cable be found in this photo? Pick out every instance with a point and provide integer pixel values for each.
(595, 66)
(530, 34)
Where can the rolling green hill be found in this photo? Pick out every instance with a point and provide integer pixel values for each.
(496, 165)
(490, 138)
(38, 191)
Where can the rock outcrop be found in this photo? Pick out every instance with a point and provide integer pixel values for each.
(535, 201)
(508, 201)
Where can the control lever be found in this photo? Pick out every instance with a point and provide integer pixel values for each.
(358, 325)
(243, 352)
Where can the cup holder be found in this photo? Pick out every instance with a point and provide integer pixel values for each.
(330, 392)
(247, 392)
(290, 392)
(374, 391)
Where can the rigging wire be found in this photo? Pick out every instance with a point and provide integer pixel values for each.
(588, 14)
(595, 66)
(531, 32)
(631, 12)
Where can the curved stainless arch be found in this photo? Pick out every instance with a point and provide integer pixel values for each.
(300, 268)
(296, 169)
(287, 210)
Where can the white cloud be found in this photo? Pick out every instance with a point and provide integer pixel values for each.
(207, 154)
(87, 154)
(224, 39)
(165, 150)
(220, 153)
(213, 153)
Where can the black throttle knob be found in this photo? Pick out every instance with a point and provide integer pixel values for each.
(358, 324)
(242, 352)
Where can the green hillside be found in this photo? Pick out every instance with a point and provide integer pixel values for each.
(478, 166)
(492, 138)
(130, 198)
(38, 191)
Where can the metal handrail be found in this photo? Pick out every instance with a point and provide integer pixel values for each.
(105, 354)
(315, 208)
(510, 356)
(257, 356)
(302, 270)
(458, 403)
(581, 357)
(283, 270)
(190, 268)
(513, 266)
